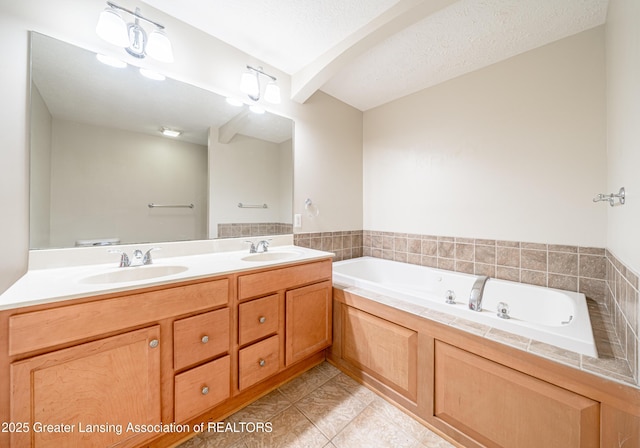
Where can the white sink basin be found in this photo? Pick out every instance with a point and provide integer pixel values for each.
(272, 256)
(133, 274)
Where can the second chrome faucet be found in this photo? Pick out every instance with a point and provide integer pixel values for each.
(255, 247)
(137, 259)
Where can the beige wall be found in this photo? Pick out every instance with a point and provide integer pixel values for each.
(623, 120)
(515, 151)
(102, 180)
(264, 179)
(327, 141)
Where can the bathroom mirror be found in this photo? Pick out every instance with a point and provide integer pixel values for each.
(102, 172)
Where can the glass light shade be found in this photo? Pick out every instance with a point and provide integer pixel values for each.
(112, 28)
(152, 75)
(256, 109)
(272, 93)
(234, 102)
(249, 84)
(159, 46)
(111, 61)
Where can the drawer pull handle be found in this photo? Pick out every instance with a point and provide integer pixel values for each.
(205, 339)
(262, 319)
(153, 343)
(262, 362)
(205, 390)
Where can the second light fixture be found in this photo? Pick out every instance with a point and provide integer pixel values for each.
(250, 84)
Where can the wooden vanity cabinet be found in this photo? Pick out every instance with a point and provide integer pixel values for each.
(91, 368)
(115, 380)
(186, 353)
(284, 317)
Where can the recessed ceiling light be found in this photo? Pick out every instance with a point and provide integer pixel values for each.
(111, 61)
(170, 132)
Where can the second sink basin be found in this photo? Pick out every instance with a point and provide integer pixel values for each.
(133, 274)
(272, 256)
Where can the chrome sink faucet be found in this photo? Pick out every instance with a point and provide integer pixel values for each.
(139, 259)
(477, 290)
(254, 248)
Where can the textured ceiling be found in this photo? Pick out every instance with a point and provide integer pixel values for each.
(369, 52)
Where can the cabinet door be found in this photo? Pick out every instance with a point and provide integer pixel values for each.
(383, 349)
(89, 393)
(501, 407)
(308, 321)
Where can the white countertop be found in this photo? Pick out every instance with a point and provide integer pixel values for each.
(46, 284)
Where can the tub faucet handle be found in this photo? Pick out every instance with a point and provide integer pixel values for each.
(450, 297)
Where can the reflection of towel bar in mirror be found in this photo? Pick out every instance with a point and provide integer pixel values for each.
(152, 205)
(241, 205)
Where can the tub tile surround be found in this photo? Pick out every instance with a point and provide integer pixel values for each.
(236, 230)
(623, 302)
(611, 287)
(323, 408)
(571, 268)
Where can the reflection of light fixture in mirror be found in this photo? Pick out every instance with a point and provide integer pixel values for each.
(250, 84)
(112, 28)
(234, 101)
(170, 132)
(111, 61)
(152, 75)
(256, 109)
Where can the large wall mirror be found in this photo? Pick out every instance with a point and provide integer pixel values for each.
(99, 159)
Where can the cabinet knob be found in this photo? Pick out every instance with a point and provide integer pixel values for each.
(205, 390)
(262, 362)
(205, 339)
(154, 343)
(262, 319)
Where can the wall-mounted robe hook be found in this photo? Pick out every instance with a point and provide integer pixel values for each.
(611, 197)
(311, 209)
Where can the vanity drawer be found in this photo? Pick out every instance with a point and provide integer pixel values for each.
(85, 320)
(201, 388)
(266, 282)
(200, 337)
(258, 318)
(258, 361)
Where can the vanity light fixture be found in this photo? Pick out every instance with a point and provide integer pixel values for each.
(250, 84)
(170, 132)
(131, 36)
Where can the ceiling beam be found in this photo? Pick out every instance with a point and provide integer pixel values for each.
(311, 78)
(229, 130)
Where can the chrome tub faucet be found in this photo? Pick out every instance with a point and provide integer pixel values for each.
(477, 290)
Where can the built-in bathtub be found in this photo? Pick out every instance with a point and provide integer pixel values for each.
(553, 316)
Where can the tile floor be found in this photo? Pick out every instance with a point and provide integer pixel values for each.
(322, 408)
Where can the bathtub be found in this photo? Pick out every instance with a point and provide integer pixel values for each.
(552, 316)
